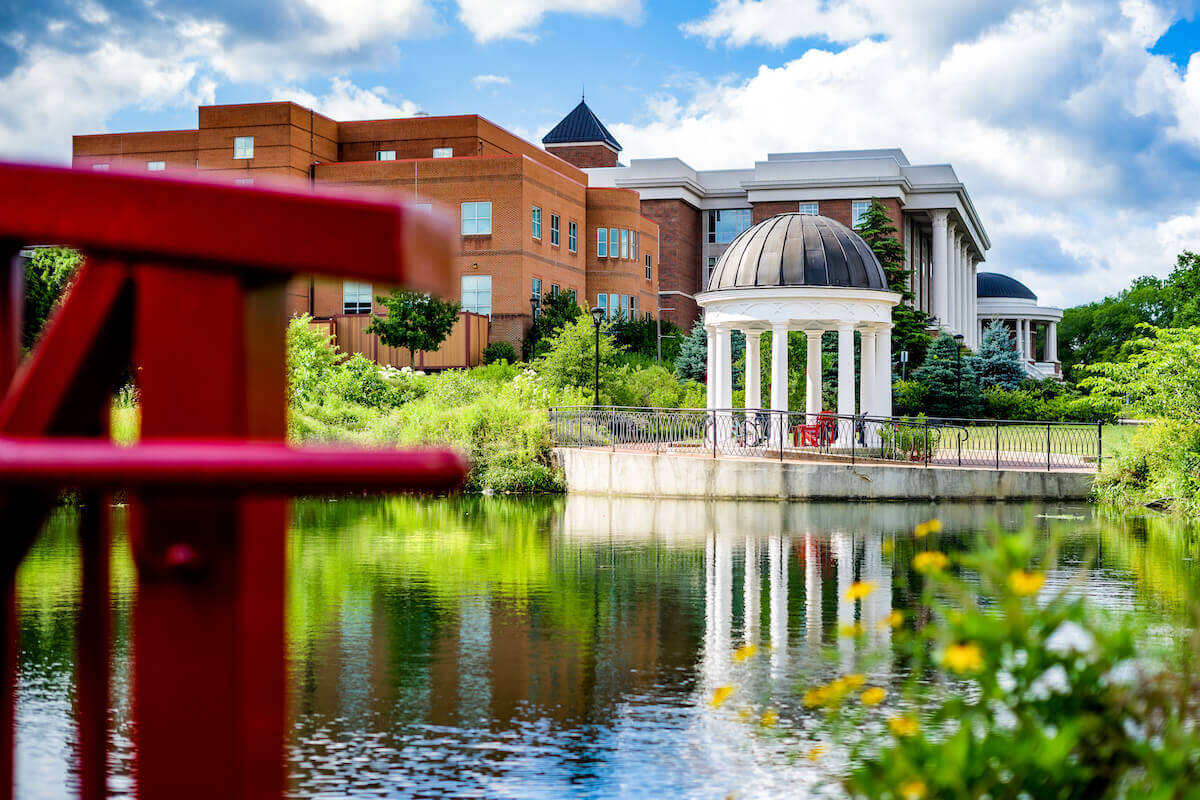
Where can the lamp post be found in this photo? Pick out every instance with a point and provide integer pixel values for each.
(958, 340)
(597, 319)
(535, 305)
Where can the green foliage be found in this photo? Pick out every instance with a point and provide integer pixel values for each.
(570, 360)
(499, 351)
(654, 387)
(692, 362)
(415, 321)
(1048, 400)
(999, 361)
(48, 274)
(1161, 464)
(952, 388)
(558, 311)
(909, 439)
(641, 336)
(909, 397)
(909, 323)
(1160, 377)
(311, 357)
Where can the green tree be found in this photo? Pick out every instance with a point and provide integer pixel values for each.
(558, 311)
(1160, 377)
(570, 359)
(999, 362)
(951, 380)
(48, 275)
(641, 336)
(415, 321)
(909, 323)
(692, 362)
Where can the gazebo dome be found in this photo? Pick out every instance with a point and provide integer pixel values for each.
(993, 284)
(798, 250)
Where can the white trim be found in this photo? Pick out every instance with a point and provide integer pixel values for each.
(580, 144)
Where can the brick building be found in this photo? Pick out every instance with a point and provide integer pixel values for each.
(531, 226)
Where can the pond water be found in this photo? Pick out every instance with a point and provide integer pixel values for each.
(568, 648)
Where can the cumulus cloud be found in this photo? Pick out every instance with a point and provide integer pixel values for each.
(519, 18)
(346, 102)
(483, 81)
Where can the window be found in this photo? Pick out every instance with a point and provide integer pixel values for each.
(572, 237)
(632, 307)
(156, 166)
(633, 245)
(858, 210)
(725, 224)
(708, 270)
(571, 294)
(477, 294)
(536, 290)
(602, 303)
(535, 223)
(554, 235)
(100, 167)
(356, 297)
(649, 274)
(243, 147)
(614, 240)
(443, 152)
(809, 208)
(625, 306)
(385, 155)
(624, 243)
(602, 242)
(477, 218)
(243, 181)
(555, 291)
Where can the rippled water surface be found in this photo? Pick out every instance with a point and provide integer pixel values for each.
(568, 647)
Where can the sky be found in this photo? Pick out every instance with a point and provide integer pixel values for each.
(1074, 124)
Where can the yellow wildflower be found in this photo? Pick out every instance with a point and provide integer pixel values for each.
(744, 714)
(930, 562)
(904, 726)
(892, 620)
(816, 697)
(816, 751)
(1025, 583)
(720, 695)
(850, 630)
(744, 652)
(963, 657)
(923, 529)
(912, 790)
(769, 718)
(873, 696)
(851, 681)
(887, 547)
(859, 590)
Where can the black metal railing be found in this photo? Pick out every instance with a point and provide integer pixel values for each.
(928, 441)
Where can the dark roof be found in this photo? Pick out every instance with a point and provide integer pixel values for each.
(581, 125)
(798, 250)
(993, 284)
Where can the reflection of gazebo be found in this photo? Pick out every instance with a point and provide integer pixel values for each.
(801, 272)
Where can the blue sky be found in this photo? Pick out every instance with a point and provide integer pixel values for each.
(1075, 124)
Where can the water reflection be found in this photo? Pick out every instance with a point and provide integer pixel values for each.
(570, 647)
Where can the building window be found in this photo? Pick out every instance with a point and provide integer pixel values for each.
(554, 232)
(536, 290)
(385, 155)
(602, 242)
(614, 239)
(535, 223)
(809, 208)
(571, 294)
(632, 307)
(443, 152)
(624, 243)
(633, 245)
(725, 224)
(356, 297)
(648, 272)
(555, 291)
(625, 307)
(858, 210)
(243, 181)
(243, 147)
(156, 166)
(100, 167)
(477, 218)
(477, 294)
(708, 270)
(572, 237)
(602, 303)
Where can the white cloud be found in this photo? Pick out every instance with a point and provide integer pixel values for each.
(483, 81)
(346, 102)
(515, 20)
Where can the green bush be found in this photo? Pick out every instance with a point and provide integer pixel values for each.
(908, 397)
(1059, 404)
(499, 351)
(654, 387)
(48, 275)
(1160, 463)
(909, 439)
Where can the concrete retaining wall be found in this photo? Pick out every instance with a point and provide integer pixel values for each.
(650, 475)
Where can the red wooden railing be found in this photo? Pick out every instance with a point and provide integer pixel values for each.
(185, 281)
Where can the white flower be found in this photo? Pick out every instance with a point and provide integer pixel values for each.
(1006, 681)
(1123, 674)
(1052, 681)
(1070, 637)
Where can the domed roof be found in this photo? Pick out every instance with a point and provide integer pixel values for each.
(993, 284)
(798, 250)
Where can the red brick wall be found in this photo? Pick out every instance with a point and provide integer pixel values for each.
(585, 156)
(621, 209)
(679, 260)
(761, 211)
(840, 210)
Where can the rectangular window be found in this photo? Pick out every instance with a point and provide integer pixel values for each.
(156, 166)
(99, 167)
(633, 245)
(809, 208)
(858, 210)
(624, 243)
(554, 233)
(443, 152)
(602, 242)
(632, 306)
(243, 147)
(708, 269)
(385, 155)
(625, 306)
(536, 290)
(554, 290)
(602, 303)
(477, 218)
(614, 239)
(243, 181)
(649, 274)
(725, 224)
(356, 297)
(535, 223)
(572, 237)
(477, 294)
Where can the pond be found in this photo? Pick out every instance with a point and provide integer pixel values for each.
(569, 647)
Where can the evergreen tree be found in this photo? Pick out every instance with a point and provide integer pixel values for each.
(48, 274)
(999, 362)
(951, 379)
(909, 323)
(692, 362)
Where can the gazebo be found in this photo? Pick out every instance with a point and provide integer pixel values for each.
(801, 272)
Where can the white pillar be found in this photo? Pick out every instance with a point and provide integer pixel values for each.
(710, 372)
(779, 383)
(1052, 341)
(812, 590)
(883, 365)
(868, 395)
(812, 368)
(952, 279)
(751, 588)
(1023, 336)
(973, 299)
(845, 383)
(941, 252)
(963, 290)
(753, 390)
(777, 560)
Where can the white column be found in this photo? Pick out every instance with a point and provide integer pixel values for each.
(710, 372)
(941, 252)
(777, 559)
(812, 368)
(952, 277)
(883, 365)
(845, 383)
(779, 382)
(753, 390)
(1052, 341)
(812, 590)
(842, 545)
(973, 298)
(1023, 338)
(964, 273)
(751, 588)
(867, 393)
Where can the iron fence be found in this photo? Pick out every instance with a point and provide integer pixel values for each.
(927, 441)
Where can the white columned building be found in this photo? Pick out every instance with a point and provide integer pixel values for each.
(1000, 297)
(802, 272)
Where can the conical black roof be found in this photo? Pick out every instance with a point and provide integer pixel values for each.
(581, 125)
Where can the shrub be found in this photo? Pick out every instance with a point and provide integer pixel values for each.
(654, 387)
(1160, 378)
(311, 358)
(499, 351)
(909, 397)
(571, 358)
(1160, 462)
